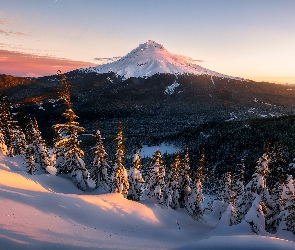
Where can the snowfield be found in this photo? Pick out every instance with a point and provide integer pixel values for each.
(49, 212)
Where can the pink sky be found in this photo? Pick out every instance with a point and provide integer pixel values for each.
(22, 64)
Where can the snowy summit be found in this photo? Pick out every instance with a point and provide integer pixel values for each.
(151, 58)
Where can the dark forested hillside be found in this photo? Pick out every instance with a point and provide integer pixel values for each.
(222, 115)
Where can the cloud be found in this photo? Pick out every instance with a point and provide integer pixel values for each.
(11, 32)
(5, 21)
(24, 64)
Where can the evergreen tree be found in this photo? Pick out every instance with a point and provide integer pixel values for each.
(172, 185)
(277, 168)
(18, 143)
(156, 179)
(100, 166)
(120, 182)
(226, 192)
(41, 154)
(3, 147)
(238, 179)
(287, 216)
(29, 159)
(256, 191)
(242, 198)
(184, 181)
(195, 201)
(67, 145)
(135, 178)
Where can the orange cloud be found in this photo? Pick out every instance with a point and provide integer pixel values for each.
(23, 64)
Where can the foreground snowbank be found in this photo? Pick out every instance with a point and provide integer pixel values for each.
(49, 212)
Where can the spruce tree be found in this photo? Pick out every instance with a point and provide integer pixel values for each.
(277, 168)
(100, 166)
(184, 181)
(41, 154)
(195, 201)
(172, 186)
(287, 216)
(135, 178)
(120, 182)
(156, 179)
(3, 147)
(257, 193)
(29, 159)
(67, 145)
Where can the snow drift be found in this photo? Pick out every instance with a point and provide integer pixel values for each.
(49, 212)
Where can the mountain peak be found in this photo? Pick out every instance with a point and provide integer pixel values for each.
(151, 58)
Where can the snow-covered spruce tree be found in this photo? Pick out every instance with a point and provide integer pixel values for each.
(67, 145)
(172, 185)
(156, 179)
(256, 191)
(242, 198)
(206, 176)
(226, 192)
(239, 178)
(29, 159)
(276, 181)
(13, 136)
(6, 120)
(287, 216)
(18, 143)
(135, 178)
(41, 154)
(100, 166)
(278, 169)
(120, 183)
(195, 201)
(3, 147)
(184, 181)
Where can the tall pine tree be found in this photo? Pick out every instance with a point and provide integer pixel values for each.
(156, 179)
(184, 181)
(67, 149)
(135, 178)
(120, 183)
(100, 166)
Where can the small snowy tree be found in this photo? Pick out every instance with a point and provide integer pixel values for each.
(195, 201)
(226, 192)
(286, 219)
(100, 166)
(3, 147)
(277, 169)
(41, 154)
(156, 179)
(13, 136)
(67, 145)
(135, 178)
(258, 196)
(29, 160)
(120, 183)
(172, 186)
(184, 181)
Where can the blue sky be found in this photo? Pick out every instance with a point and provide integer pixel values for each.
(245, 38)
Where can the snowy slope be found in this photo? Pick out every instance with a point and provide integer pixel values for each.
(151, 58)
(48, 212)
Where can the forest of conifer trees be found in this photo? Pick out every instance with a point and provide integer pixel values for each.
(266, 202)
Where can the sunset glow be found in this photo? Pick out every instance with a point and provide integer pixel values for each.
(253, 40)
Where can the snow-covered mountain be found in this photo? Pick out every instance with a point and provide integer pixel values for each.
(151, 58)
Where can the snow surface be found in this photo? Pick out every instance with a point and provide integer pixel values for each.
(148, 151)
(49, 212)
(151, 58)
